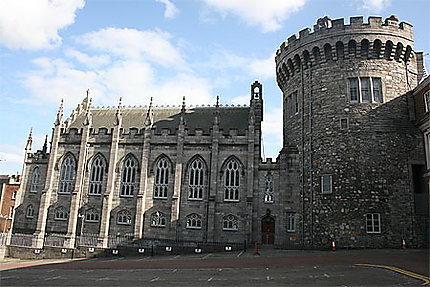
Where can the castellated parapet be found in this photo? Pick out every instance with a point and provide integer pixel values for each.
(345, 111)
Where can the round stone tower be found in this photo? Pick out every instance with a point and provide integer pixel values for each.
(345, 116)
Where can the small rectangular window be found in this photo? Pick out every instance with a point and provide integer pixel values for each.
(11, 212)
(365, 90)
(14, 195)
(344, 124)
(326, 184)
(373, 223)
(377, 90)
(291, 222)
(353, 90)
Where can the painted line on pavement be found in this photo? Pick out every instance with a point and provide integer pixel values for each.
(401, 271)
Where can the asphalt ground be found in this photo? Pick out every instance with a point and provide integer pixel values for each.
(272, 267)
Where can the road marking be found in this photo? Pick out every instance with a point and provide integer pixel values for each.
(268, 278)
(401, 271)
(326, 275)
(174, 270)
(155, 279)
(241, 252)
(53, 278)
(177, 256)
(210, 279)
(206, 256)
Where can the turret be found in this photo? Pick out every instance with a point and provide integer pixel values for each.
(256, 103)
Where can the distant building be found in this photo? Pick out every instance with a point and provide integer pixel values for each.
(347, 171)
(9, 190)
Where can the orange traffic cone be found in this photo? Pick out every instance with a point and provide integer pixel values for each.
(333, 245)
(403, 244)
(256, 249)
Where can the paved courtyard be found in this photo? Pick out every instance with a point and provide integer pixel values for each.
(272, 267)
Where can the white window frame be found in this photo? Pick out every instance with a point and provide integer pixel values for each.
(61, 214)
(161, 178)
(194, 221)
(35, 180)
(29, 213)
(95, 185)
(196, 180)
(121, 215)
(232, 181)
(66, 183)
(14, 193)
(230, 223)
(325, 177)
(92, 216)
(426, 97)
(11, 211)
(268, 189)
(128, 177)
(158, 219)
(291, 222)
(373, 220)
(372, 98)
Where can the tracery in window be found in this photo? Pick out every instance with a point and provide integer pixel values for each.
(123, 217)
(230, 222)
(61, 213)
(92, 216)
(161, 180)
(196, 179)
(158, 219)
(231, 180)
(268, 191)
(194, 221)
(67, 175)
(35, 180)
(128, 177)
(96, 176)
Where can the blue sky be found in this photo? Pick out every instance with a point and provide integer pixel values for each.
(137, 49)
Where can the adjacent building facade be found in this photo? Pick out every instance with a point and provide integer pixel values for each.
(346, 170)
(9, 191)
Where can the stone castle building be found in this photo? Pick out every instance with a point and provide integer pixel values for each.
(346, 170)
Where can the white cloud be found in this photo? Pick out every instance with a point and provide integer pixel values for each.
(89, 61)
(272, 131)
(34, 24)
(134, 44)
(375, 5)
(241, 100)
(264, 68)
(171, 11)
(268, 14)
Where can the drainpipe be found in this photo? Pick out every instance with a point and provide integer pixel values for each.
(310, 156)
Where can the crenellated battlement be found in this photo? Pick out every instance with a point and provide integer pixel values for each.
(332, 41)
(326, 26)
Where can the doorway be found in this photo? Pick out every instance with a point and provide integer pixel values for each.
(268, 230)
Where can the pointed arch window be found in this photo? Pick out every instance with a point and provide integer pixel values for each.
(196, 180)
(96, 176)
(29, 212)
(268, 192)
(67, 175)
(158, 219)
(194, 221)
(123, 217)
(161, 180)
(61, 213)
(92, 216)
(128, 177)
(232, 180)
(35, 179)
(230, 222)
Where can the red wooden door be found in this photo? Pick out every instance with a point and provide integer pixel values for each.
(268, 230)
